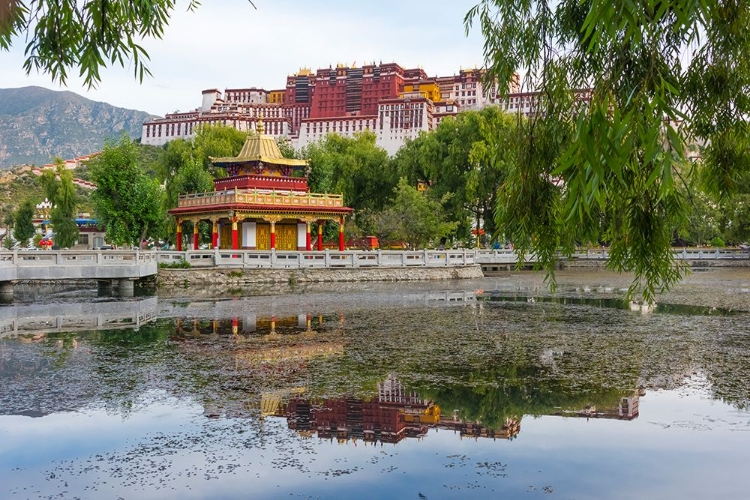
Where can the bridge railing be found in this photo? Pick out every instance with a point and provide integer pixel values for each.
(498, 256)
(37, 258)
(76, 264)
(507, 256)
(679, 254)
(712, 254)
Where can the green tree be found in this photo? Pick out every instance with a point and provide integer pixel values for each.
(23, 227)
(61, 35)
(60, 191)
(127, 203)
(173, 155)
(7, 217)
(465, 157)
(622, 153)
(736, 218)
(210, 141)
(414, 218)
(355, 167)
(191, 177)
(217, 141)
(63, 213)
(49, 179)
(286, 148)
(320, 175)
(703, 220)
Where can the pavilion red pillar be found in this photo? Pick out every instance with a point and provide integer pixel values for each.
(235, 239)
(308, 241)
(196, 236)
(320, 236)
(273, 235)
(341, 235)
(178, 243)
(215, 235)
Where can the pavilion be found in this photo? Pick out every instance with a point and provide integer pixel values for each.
(264, 203)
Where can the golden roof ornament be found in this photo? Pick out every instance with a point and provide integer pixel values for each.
(259, 126)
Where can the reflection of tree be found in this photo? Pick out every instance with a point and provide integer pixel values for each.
(125, 363)
(496, 394)
(489, 361)
(727, 367)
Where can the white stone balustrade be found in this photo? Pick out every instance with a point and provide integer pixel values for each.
(314, 259)
(76, 264)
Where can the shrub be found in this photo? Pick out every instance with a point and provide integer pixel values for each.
(180, 264)
(718, 242)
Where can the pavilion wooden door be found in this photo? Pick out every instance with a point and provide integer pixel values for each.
(225, 236)
(286, 236)
(262, 236)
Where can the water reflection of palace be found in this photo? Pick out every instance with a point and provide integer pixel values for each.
(395, 414)
(626, 409)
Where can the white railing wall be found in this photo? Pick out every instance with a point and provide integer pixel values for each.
(113, 264)
(314, 259)
(506, 256)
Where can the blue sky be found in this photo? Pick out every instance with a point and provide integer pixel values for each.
(228, 44)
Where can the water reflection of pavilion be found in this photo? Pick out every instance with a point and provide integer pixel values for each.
(395, 414)
(253, 324)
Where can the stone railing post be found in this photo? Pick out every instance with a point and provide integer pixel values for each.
(327, 258)
(380, 258)
(403, 258)
(273, 258)
(216, 256)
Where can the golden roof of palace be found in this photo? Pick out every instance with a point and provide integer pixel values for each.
(263, 148)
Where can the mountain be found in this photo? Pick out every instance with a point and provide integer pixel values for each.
(38, 124)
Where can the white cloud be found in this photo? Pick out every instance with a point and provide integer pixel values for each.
(228, 44)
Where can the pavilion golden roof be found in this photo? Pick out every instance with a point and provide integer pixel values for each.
(263, 148)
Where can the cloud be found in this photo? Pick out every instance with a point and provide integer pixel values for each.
(228, 44)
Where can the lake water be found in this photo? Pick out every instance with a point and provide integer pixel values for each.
(476, 389)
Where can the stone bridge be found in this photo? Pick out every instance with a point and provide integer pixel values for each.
(506, 260)
(35, 319)
(119, 267)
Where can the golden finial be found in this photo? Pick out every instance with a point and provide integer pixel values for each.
(259, 126)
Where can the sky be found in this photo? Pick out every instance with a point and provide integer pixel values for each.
(229, 44)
